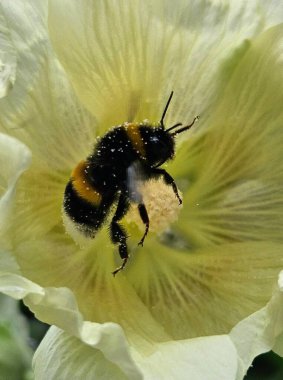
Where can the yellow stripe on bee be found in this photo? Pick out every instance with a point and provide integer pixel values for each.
(134, 135)
(82, 185)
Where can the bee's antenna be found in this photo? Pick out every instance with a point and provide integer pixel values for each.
(165, 109)
(173, 127)
(184, 128)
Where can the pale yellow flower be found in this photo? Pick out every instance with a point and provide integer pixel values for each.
(203, 286)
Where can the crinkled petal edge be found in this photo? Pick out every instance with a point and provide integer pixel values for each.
(57, 306)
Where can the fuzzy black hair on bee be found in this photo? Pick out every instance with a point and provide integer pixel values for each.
(125, 154)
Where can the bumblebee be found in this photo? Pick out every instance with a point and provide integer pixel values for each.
(125, 154)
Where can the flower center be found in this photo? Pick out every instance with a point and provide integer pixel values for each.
(161, 203)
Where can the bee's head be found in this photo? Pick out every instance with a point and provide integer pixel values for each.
(160, 146)
(161, 142)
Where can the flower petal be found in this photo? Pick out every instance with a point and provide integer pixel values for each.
(61, 356)
(51, 122)
(258, 333)
(180, 294)
(7, 261)
(25, 36)
(232, 180)
(124, 59)
(42, 110)
(15, 158)
(278, 346)
(273, 11)
(58, 306)
(56, 261)
(175, 360)
(7, 58)
(207, 291)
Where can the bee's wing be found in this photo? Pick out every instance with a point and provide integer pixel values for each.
(135, 177)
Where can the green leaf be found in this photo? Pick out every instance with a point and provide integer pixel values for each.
(15, 352)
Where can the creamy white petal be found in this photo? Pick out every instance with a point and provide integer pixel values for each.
(258, 333)
(7, 58)
(272, 11)
(22, 33)
(7, 260)
(42, 110)
(15, 158)
(278, 346)
(58, 306)
(63, 357)
(51, 122)
(178, 360)
(125, 58)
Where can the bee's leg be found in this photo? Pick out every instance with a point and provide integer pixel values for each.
(145, 219)
(168, 180)
(118, 234)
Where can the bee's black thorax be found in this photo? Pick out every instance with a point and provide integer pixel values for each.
(130, 142)
(114, 149)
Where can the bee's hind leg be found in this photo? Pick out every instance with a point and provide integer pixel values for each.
(144, 217)
(168, 180)
(118, 234)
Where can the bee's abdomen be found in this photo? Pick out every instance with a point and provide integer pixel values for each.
(83, 186)
(83, 204)
(79, 209)
(120, 147)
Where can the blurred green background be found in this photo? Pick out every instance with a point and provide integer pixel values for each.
(21, 333)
